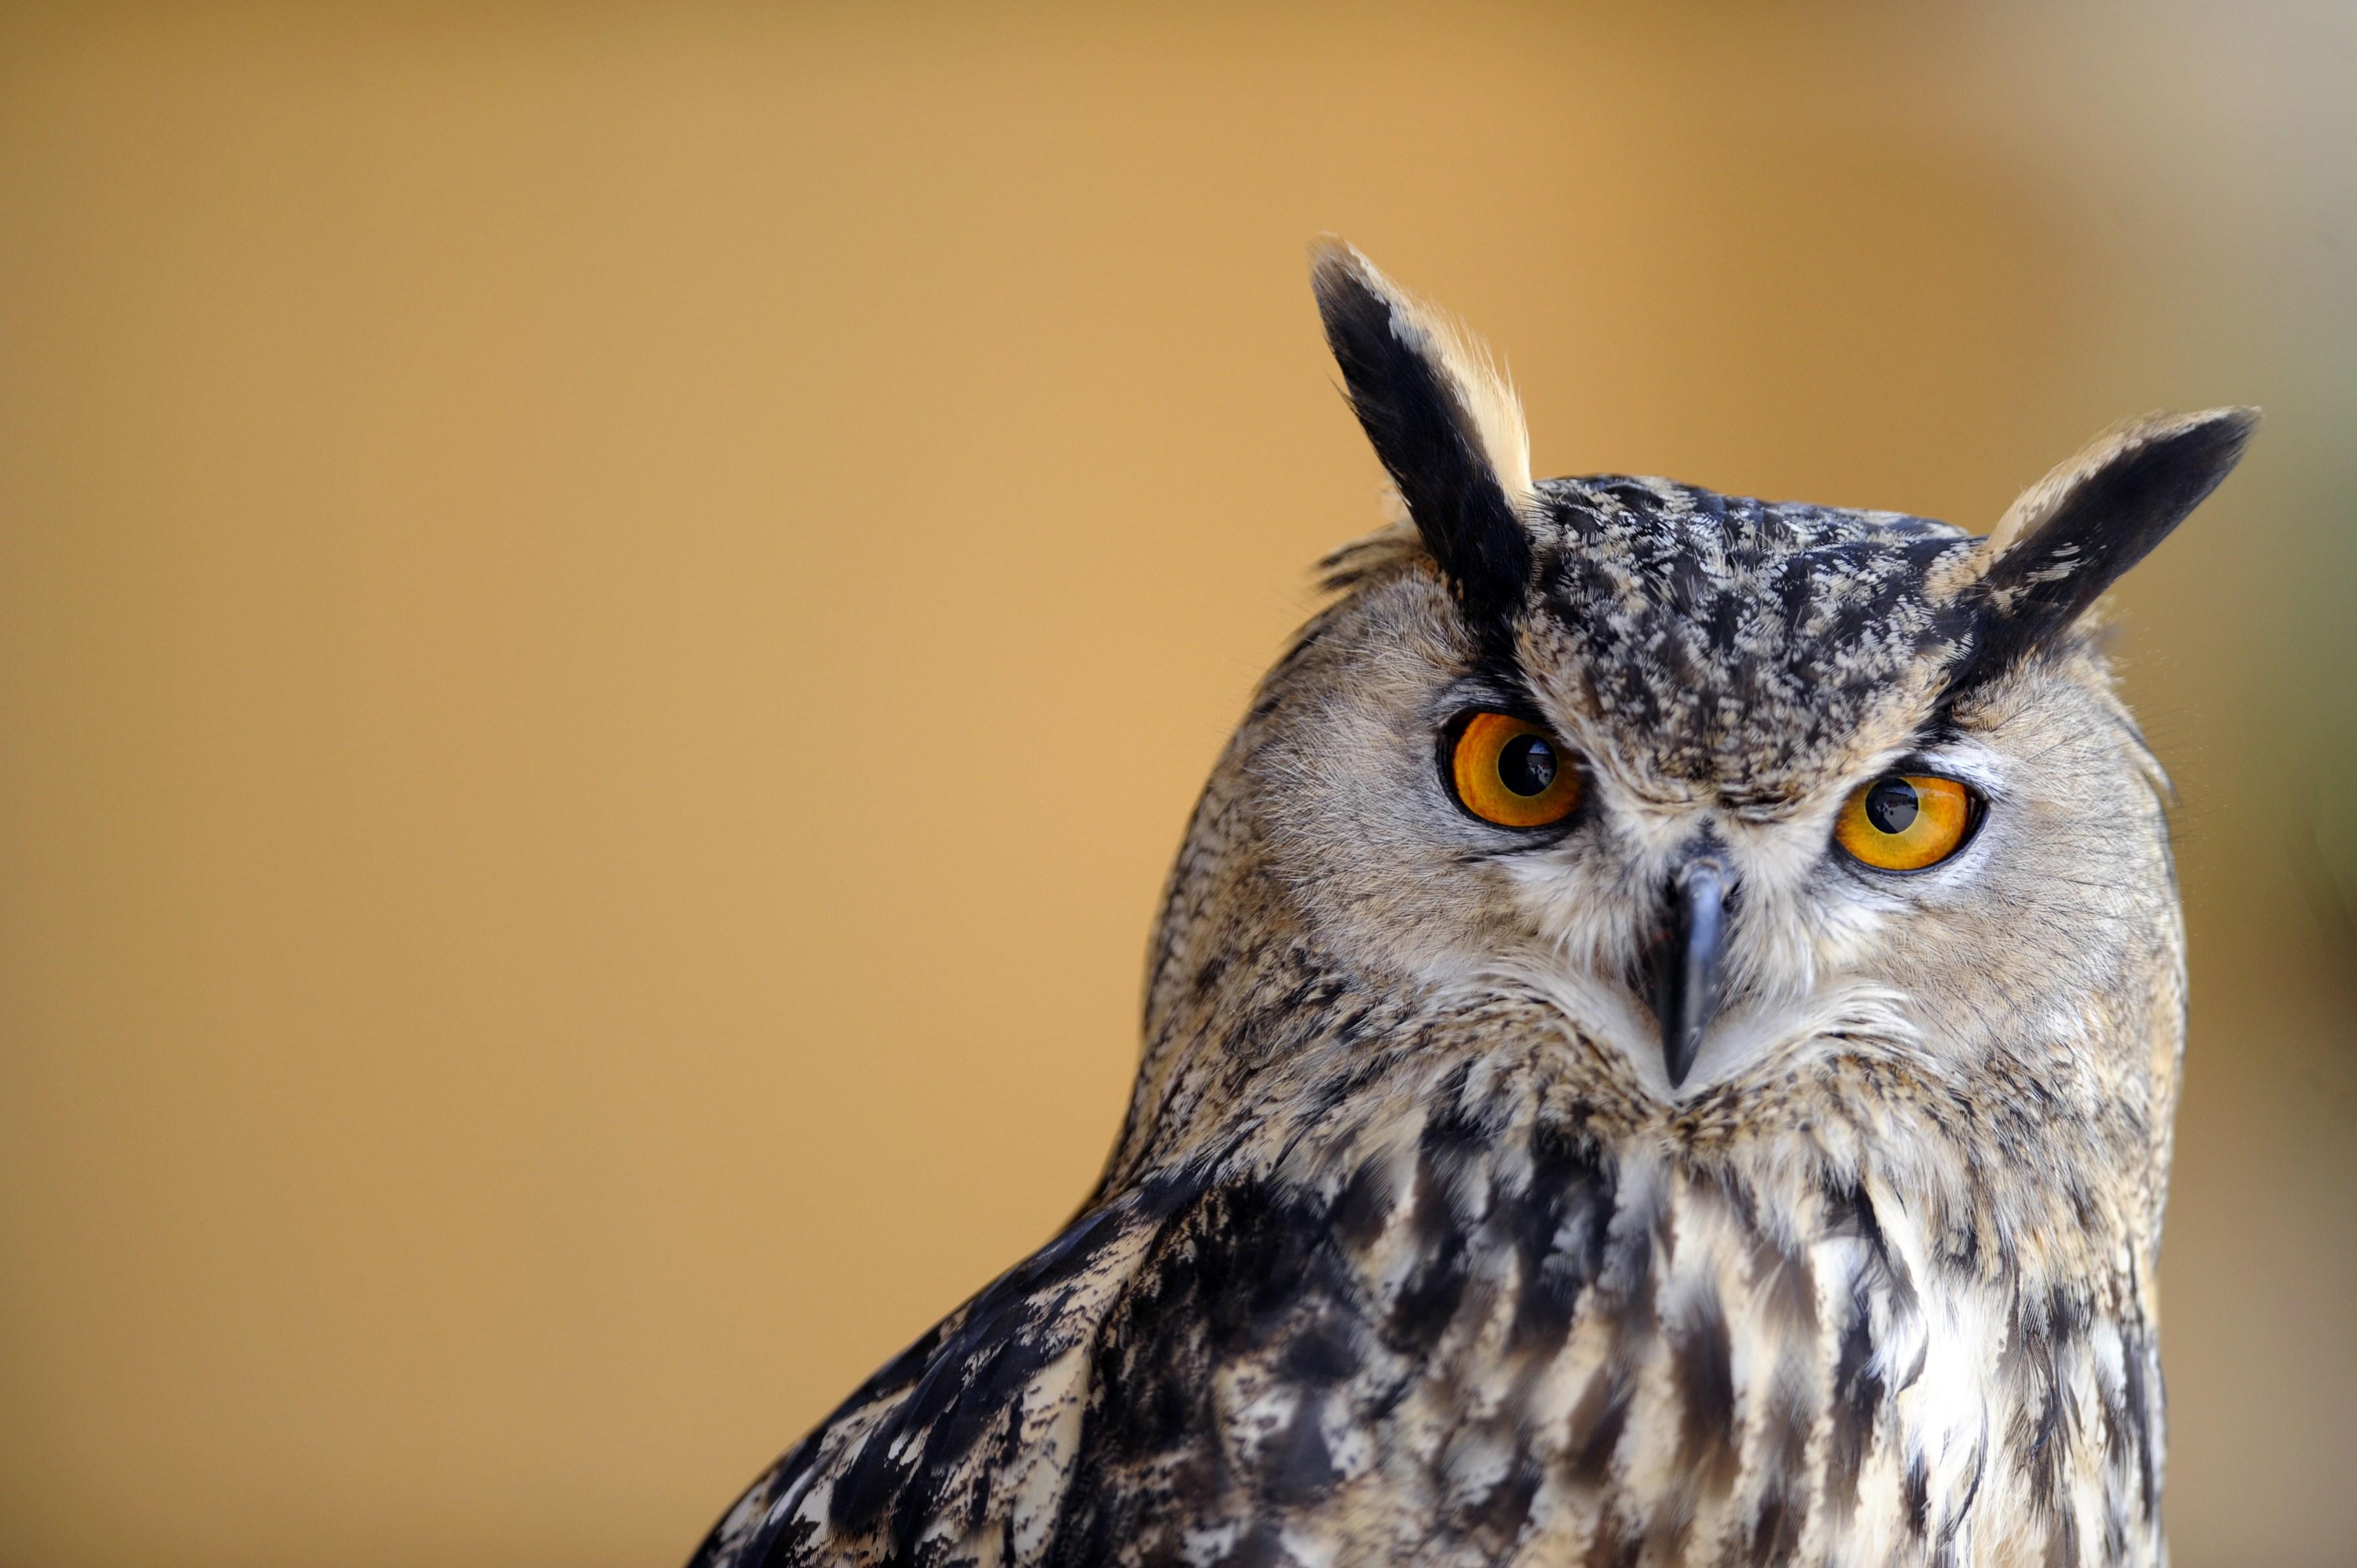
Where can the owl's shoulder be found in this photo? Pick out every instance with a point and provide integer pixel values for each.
(1219, 1358)
(964, 1443)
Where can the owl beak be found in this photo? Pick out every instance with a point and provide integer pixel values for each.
(1687, 961)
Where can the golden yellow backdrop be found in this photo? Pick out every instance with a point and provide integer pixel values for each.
(607, 619)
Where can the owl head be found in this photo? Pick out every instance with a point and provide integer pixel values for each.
(1749, 793)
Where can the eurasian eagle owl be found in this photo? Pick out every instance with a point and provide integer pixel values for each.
(1660, 1048)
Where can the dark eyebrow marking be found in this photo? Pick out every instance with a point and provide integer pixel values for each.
(1939, 727)
(1507, 681)
(1964, 675)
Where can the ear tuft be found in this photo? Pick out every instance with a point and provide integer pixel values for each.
(2200, 445)
(2073, 533)
(1443, 421)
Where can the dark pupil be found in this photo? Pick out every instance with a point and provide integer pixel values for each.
(1890, 806)
(1526, 765)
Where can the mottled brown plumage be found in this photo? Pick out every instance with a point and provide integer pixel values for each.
(1418, 1248)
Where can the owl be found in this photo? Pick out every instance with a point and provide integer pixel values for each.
(1660, 1047)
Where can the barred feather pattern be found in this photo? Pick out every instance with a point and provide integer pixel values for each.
(1455, 1306)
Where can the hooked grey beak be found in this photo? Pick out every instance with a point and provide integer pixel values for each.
(1686, 961)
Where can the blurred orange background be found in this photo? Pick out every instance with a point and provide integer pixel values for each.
(608, 617)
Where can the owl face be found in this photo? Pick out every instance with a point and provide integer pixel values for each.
(1732, 782)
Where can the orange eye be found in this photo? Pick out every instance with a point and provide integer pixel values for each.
(1905, 822)
(1510, 772)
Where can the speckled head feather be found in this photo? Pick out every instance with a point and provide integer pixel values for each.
(1429, 1239)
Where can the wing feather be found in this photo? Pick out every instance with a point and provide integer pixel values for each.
(1206, 1364)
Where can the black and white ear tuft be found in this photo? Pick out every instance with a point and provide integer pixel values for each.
(1443, 420)
(2072, 534)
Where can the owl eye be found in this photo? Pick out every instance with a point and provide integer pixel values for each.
(1907, 821)
(1511, 772)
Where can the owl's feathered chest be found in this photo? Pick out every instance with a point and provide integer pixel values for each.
(1501, 1340)
(1442, 1321)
